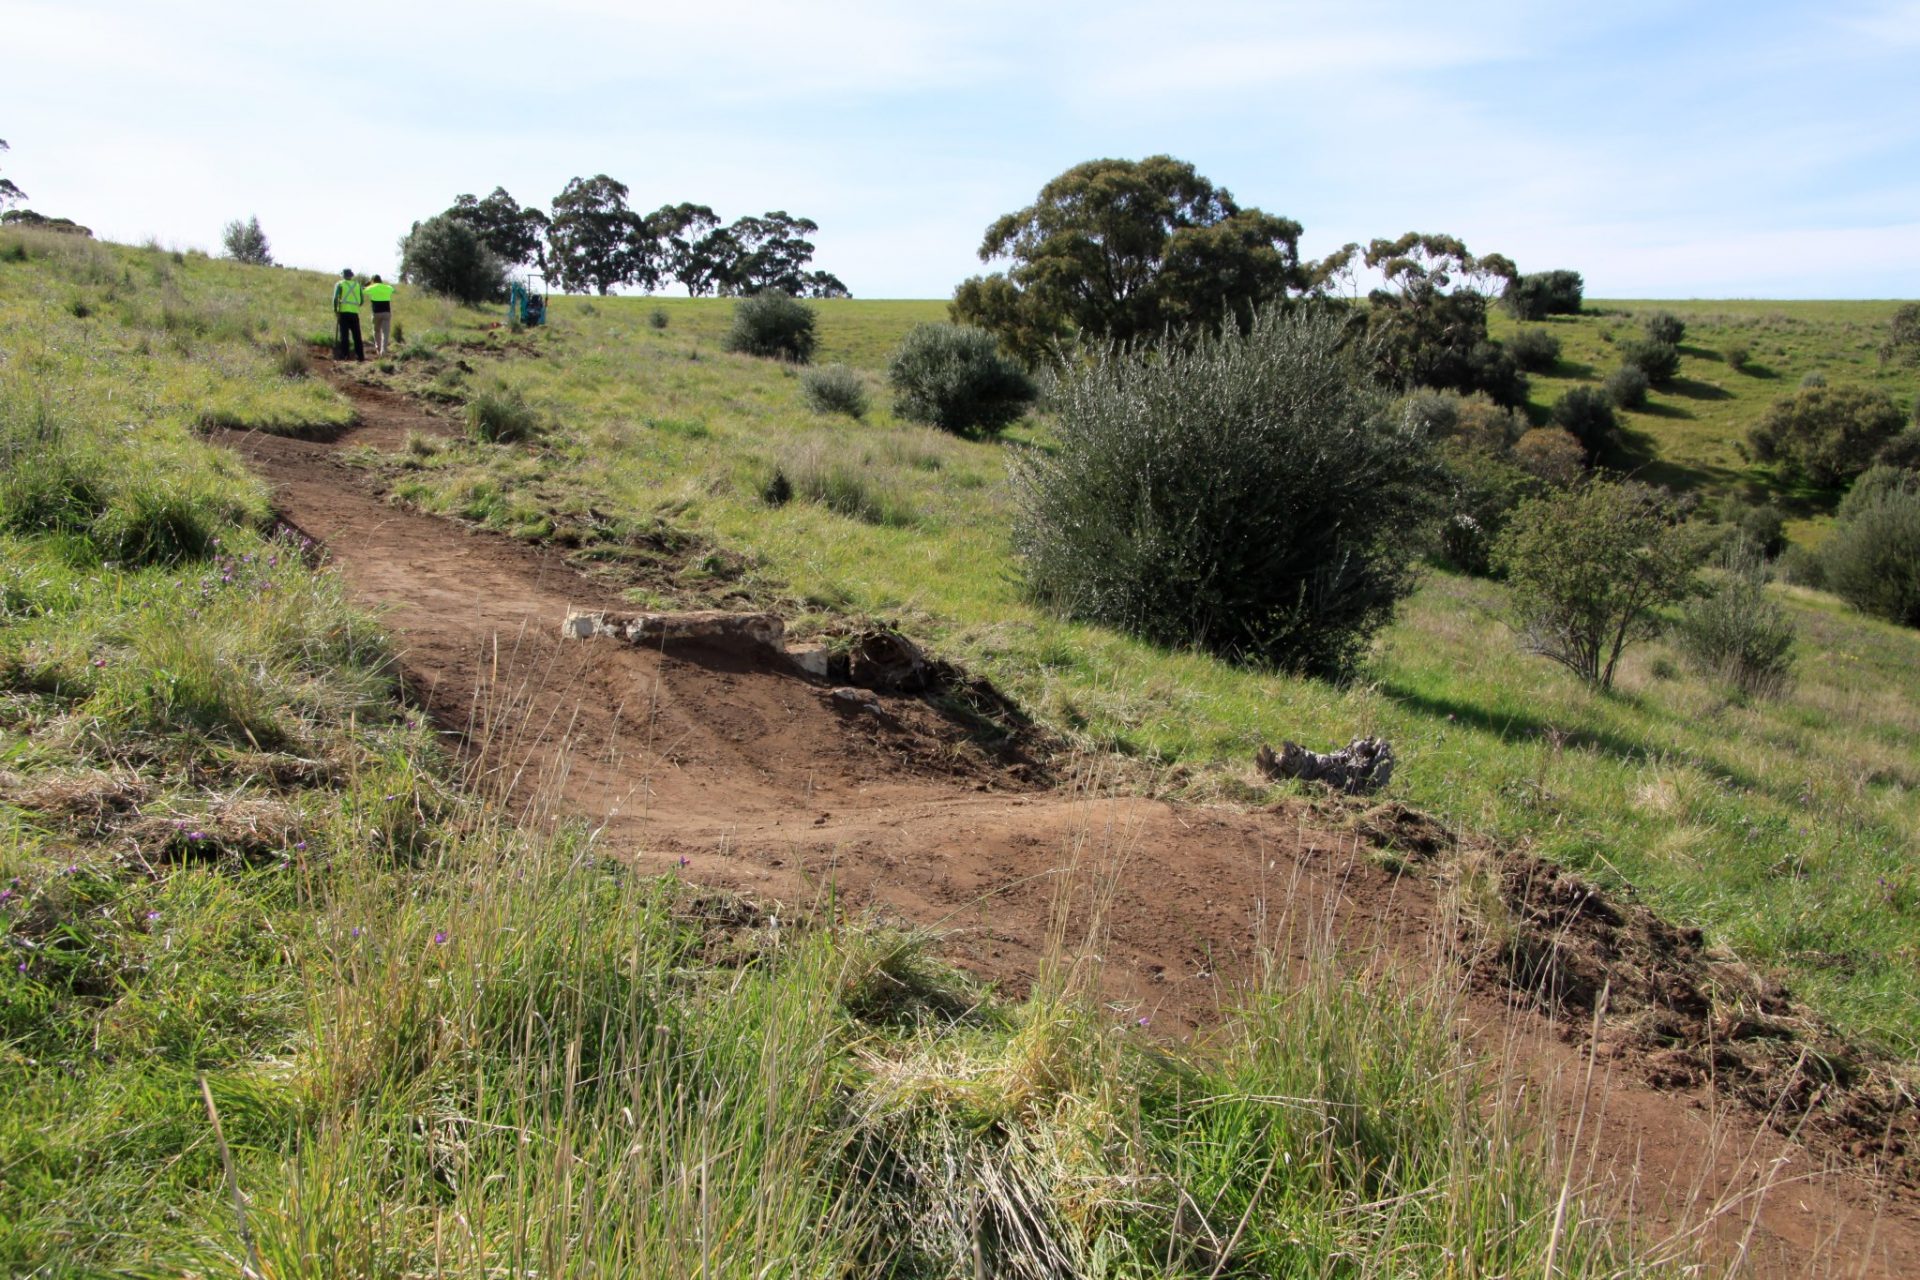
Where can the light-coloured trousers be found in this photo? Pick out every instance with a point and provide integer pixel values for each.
(382, 327)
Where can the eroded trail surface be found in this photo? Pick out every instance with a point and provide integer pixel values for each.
(741, 774)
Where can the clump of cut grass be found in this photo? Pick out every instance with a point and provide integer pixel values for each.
(834, 389)
(292, 359)
(847, 485)
(501, 415)
(1734, 632)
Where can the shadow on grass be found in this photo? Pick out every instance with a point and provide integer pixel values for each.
(1571, 369)
(1694, 389)
(1661, 409)
(1637, 455)
(1518, 727)
(1752, 370)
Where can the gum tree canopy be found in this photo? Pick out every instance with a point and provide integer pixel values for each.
(1126, 249)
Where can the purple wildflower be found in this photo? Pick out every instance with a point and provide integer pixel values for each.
(196, 835)
(440, 938)
(1143, 1021)
(153, 915)
(685, 861)
(356, 931)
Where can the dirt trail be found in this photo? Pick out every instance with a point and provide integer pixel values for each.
(748, 778)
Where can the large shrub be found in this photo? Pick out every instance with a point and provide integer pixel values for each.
(772, 324)
(1479, 490)
(1903, 451)
(1590, 568)
(1827, 434)
(446, 255)
(1659, 360)
(1250, 495)
(954, 376)
(1903, 336)
(1535, 350)
(1872, 561)
(1587, 415)
(1551, 454)
(1734, 631)
(1544, 293)
(1627, 386)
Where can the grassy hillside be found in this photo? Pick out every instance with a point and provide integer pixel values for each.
(1690, 434)
(279, 991)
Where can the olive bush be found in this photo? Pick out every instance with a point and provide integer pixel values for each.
(1249, 494)
(1733, 631)
(773, 324)
(955, 377)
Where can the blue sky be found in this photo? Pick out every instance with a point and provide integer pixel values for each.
(1699, 150)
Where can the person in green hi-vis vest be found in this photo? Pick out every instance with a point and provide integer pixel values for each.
(346, 316)
(380, 297)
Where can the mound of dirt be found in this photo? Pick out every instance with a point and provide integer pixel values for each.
(1655, 998)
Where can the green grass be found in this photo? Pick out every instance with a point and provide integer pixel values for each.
(239, 883)
(1785, 828)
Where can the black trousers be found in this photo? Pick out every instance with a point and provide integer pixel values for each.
(349, 322)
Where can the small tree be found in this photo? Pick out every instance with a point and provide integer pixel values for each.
(954, 377)
(246, 242)
(1827, 434)
(1664, 326)
(448, 256)
(772, 324)
(1251, 495)
(9, 194)
(1589, 569)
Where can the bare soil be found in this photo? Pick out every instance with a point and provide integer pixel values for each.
(1693, 1094)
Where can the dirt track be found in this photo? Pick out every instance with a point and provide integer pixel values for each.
(748, 777)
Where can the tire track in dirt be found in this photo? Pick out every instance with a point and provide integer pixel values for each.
(742, 775)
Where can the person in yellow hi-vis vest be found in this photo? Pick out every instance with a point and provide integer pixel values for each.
(346, 316)
(380, 297)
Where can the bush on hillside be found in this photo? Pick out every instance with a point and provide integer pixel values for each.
(954, 377)
(1659, 360)
(657, 318)
(1826, 434)
(1903, 451)
(1587, 415)
(1734, 632)
(1590, 568)
(1473, 420)
(1626, 387)
(1664, 326)
(1535, 350)
(1812, 378)
(1872, 560)
(1903, 336)
(1250, 494)
(1736, 355)
(1479, 491)
(446, 255)
(834, 389)
(774, 325)
(1765, 526)
(1551, 455)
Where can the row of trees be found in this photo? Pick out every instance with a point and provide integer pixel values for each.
(1123, 251)
(594, 242)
